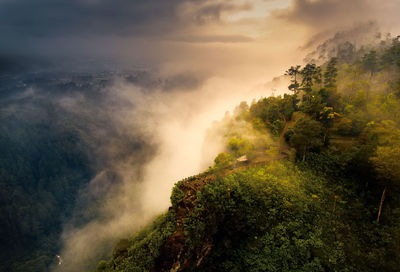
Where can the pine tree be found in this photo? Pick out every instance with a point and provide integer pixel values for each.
(293, 71)
(309, 73)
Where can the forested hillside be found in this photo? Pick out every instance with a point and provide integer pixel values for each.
(41, 171)
(52, 141)
(309, 181)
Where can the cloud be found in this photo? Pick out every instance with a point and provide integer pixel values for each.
(359, 35)
(216, 36)
(68, 26)
(328, 23)
(326, 13)
(211, 11)
(215, 39)
(79, 17)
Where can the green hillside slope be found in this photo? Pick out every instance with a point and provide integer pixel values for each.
(308, 181)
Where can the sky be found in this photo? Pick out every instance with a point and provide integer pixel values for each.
(246, 38)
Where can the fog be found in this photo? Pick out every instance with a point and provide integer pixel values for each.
(135, 187)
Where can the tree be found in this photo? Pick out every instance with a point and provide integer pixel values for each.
(312, 104)
(326, 117)
(392, 55)
(268, 110)
(317, 77)
(330, 96)
(287, 106)
(239, 147)
(387, 157)
(307, 135)
(370, 62)
(309, 73)
(293, 72)
(223, 160)
(346, 52)
(242, 108)
(331, 74)
(386, 162)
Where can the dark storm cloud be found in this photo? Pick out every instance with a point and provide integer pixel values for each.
(43, 18)
(323, 14)
(326, 13)
(54, 25)
(213, 11)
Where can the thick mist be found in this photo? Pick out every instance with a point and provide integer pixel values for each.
(148, 136)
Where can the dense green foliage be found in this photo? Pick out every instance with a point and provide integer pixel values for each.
(272, 218)
(140, 252)
(42, 167)
(306, 135)
(261, 219)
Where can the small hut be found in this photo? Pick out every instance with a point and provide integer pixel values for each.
(243, 159)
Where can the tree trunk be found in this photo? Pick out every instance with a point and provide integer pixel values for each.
(380, 205)
(304, 154)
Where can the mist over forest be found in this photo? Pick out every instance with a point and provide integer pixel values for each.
(188, 135)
